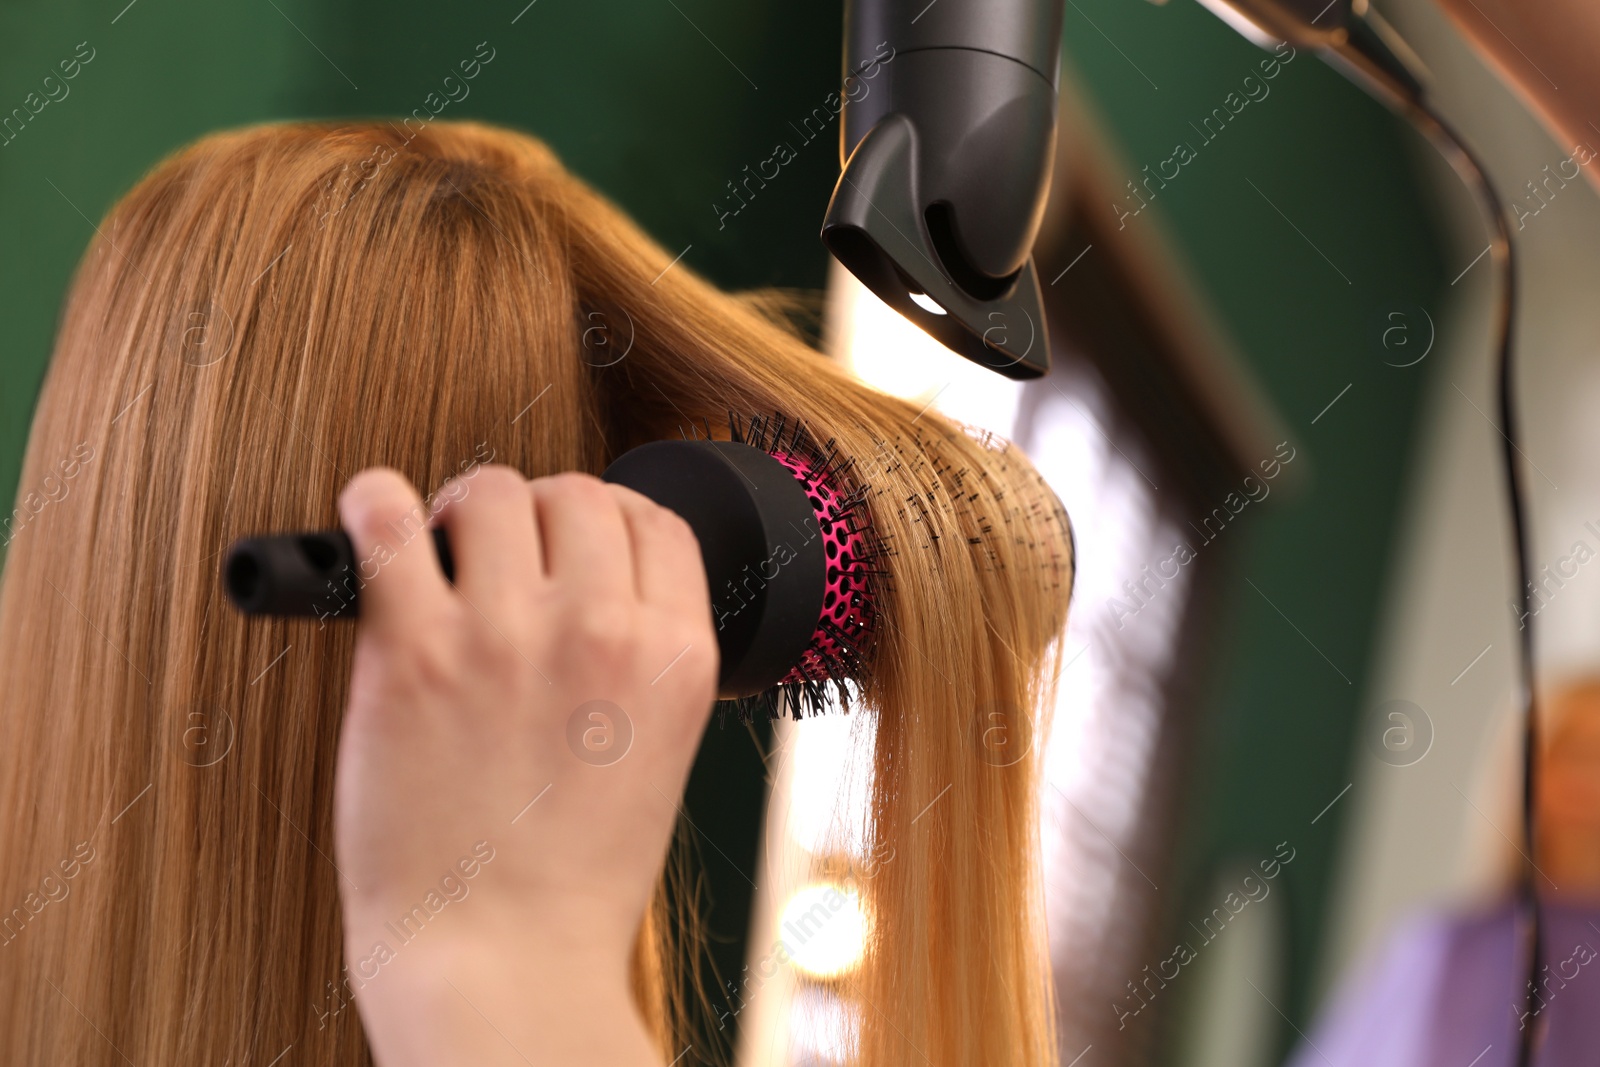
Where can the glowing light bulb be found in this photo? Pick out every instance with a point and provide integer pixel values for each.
(824, 928)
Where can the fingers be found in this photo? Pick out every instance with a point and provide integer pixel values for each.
(584, 536)
(395, 559)
(494, 542)
(667, 566)
(508, 537)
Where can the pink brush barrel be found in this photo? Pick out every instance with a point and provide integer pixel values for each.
(847, 616)
(833, 671)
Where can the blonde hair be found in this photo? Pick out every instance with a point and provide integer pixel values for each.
(275, 308)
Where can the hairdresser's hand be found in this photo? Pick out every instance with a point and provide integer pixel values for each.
(492, 836)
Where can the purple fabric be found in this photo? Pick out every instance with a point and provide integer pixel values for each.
(1445, 993)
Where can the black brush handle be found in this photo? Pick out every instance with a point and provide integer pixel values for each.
(305, 574)
(758, 534)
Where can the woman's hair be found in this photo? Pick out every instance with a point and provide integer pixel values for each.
(275, 308)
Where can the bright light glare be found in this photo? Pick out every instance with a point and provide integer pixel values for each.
(927, 303)
(822, 1027)
(832, 773)
(824, 929)
(890, 353)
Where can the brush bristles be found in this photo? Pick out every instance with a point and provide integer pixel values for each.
(840, 649)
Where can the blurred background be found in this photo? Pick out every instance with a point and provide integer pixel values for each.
(1271, 421)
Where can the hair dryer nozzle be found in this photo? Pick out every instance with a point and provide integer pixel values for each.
(949, 146)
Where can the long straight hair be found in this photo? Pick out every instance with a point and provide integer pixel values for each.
(274, 308)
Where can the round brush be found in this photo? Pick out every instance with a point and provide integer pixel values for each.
(788, 555)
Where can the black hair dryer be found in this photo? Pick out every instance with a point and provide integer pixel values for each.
(947, 162)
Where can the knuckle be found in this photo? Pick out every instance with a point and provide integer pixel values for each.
(423, 648)
(496, 658)
(372, 498)
(373, 479)
(497, 480)
(430, 664)
(701, 659)
(601, 630)
(688, 645)
(486, 486)
(575, 487)
(672, 525)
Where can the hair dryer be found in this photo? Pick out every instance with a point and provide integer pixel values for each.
(946, 168)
